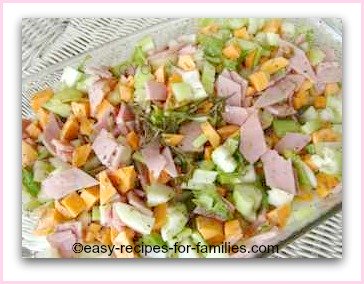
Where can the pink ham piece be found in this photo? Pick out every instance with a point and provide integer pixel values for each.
(139, 204)
(109, 151)
(51, 132)
(61, 183)
(170, 167)
(278, 172)
(281, 91)
(63, 242)
(155, 91)
(252, 142)
(96, 94)
(243, 85)
(292, 142)
(329, 54)
(281, 110)
(328, 72)
(227, 88)
(162, 57)
(187, 50)
(106, 120)
(100, 71)
(154, 160)
(125, 114)
(63, 151)
(190, 132)
(300, 64)
(235, 115)
(74, 226)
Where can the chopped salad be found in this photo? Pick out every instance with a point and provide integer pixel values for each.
(212, 138)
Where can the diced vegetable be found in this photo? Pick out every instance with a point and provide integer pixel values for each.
(247, 199)
(222, 157)
(71, 76)
(283, 126)
(57, 107)
(67, 95)
(29, 184)
(315, 55)
(41, 170)
(182, 92)
(278, 197)
(176, 220)
(29, 154)
(208, 77)
(158, 194)
(154, 240)
(203, 177)
(306, 176)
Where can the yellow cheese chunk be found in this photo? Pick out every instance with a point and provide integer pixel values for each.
(211, 134)
(86, 126)
(211, 229)
(160, 215)
(29, 154)
(273, 65)
(40, 98)
(172, 139)
(186, 62)
(90, 196)
(43, 117)
(47, 222)
(124, 178)
(80, 155)
(33, 130)
(259, 80)
(160, 75)
(81, 108)
(123, 239)
(133, 140)
(74, 204)
(107, 190)
(242, 33)
(70, 129)
(233, 230)
(126, 93)
(231, 52)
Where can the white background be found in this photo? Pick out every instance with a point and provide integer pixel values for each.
(16, 268)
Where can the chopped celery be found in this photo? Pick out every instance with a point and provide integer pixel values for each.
(95, 215)
(206, 165)
(282, 126)
(85, 83)
(311, 126)
(67, 95)
(306, 176)
(212, 202)
(146, 44)
(203, 176)
(43, 153)
(249, 175)
(255, 24)
(154, 240)
(133, 218)
(193, 79)
(278, 197)
(182, 92)
(247, 45)
(229, 178)
(41, 170)
(310, 148)
(28, 182)
(57, 107)
(267, 39)
(230, 64)
(141, 77)
(177, 218)
(315, 55)
(158, 194)
(310, 114)
(212, 46)
(138, 57)
(247, 199)
(223, 159)
(266, 118)
(258, 55)
(32, 205)
(329, 161)
(71, 76)
(114, 97)
(232, 144)
(288, 30)
(236, 23)
(199, 141)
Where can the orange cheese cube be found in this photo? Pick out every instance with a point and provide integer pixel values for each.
(123, 239)
(207, 153)
(273, 65)
(160, 74)
(332, 89)
(40, 98)
(107, 190)
(259, 80)
(211, 229)
(160, 215)
(325, 135)
(172, 139)
(33, 130)
(70, 129)
(319, 102)
(80, 155)
(29, 154)
(242, 33)
(186, 62)
(104, 236)
(47, 222)
(228, 130)
(86, 126)
(231, 52)
(43, 117)
(81, 108)
(325, 184)
(249, 59)
(62, 210)
(124, 178)
(280, 215)
(272, 26)
(233, 230)
(102, 108)
(90, 196)
(133, 140)
(74, 204)
(211, 134)
(126, 93)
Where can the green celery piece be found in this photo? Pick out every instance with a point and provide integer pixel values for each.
(29, 184)
(95, 215)
(311, 126)
(310, 148)
(182, 92)
(208, 77)
(32, 205)
(199, 141)
(212, 46)
(315, 55)
(258, 55)
(282, 126)
(247, 45)
(153, 239)
(146, 44)
(57, 107)
(67, 95)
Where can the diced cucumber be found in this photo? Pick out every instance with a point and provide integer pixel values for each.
(203, 176)
(158, 194)
(208, 77)
(315, 55)
(199, 141)
(311, 126)
(182, 92)
(95, 215)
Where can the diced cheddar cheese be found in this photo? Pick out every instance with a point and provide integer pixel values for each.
(163, 178)
(250, 91)
(272, 26)
(62, 210)
(47, 222)
(205, 107)
(126, 93)
(301, 99)
(113, 234)
(123, 240)
(259, 80)
(29, 154)
(107, 190)
(102, 108)
(186, 62)
(325, 184)
(172, 139)
(304, 197)
(74, 204)
(175, 78)
(80, 155)
(242, 33)
(43, 117)
(273, 65)
(211, 229)
(231, 52)
(325, 135)
(89, 237)
(249, 60)
(159, 74)
(280, 215)
(81, 109)
(33, 130)
(210, 29)
(207, 153)
(40, 98)
(228, 130)
(233, 230)
(70, 129)
(104, 236)
(332, 89)
(86, 125)
(211, 134)
(94, 228)
(307, 84)
(90, 196)
(160, 215)
(319, 102)
(133, 140)
(124, 178)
